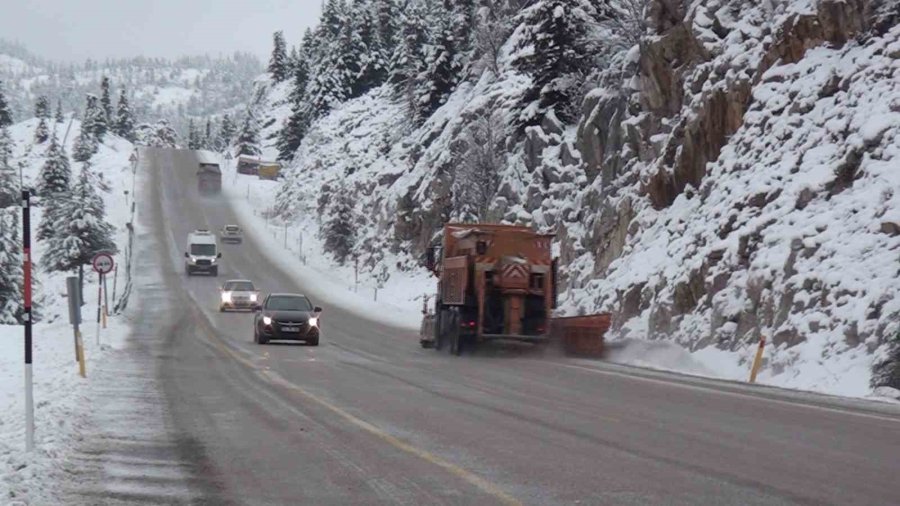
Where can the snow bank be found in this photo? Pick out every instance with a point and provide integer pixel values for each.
(60, 395)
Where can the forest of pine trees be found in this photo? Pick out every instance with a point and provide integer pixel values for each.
(427, 47)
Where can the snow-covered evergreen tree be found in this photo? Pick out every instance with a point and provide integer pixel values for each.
(59, 112)
(194, 141)
(339, 231)
(442, 68)
(124, 125)
(278, 62)
(85, 145)
(11, 271)
(106, 102)
(55, 175)
(207, 142)
(9, 180)
(248, 140)
(159, 135)
(226, 132)
(373, 61)
(387, 16)
(463, 27)
(554, 54)
(408, 59)
(294, 129)
(94, 118)
(477, 171)
(41, 132)
(5, 114)
(84, 233)
(42, 107)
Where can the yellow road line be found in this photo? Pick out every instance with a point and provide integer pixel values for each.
(465, 475)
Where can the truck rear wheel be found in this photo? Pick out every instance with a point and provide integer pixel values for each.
(455, 337)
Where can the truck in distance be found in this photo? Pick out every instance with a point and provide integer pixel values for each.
(209, 174)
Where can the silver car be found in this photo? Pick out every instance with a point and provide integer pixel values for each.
(231, 233)
(238, 294)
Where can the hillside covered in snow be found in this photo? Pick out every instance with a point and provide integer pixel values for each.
(715, 170)
(157, 88)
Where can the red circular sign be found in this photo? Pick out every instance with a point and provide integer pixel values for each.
(103, 263)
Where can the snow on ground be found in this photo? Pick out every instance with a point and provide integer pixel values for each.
(60, 395)
(300, 253)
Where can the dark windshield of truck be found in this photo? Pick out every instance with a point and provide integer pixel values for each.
(288, 303)
(240, 286)
(203, 249)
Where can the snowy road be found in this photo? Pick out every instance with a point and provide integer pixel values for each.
(368, 417)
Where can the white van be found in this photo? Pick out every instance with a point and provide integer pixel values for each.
(202, 253)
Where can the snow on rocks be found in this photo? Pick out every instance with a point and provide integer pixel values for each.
(788, 235)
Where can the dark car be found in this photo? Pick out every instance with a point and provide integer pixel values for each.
(287, 316)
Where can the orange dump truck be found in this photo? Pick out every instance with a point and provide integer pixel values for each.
(498, 282)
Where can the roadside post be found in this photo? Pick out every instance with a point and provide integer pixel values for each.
(115, 281)
(26, 264)
(757, 360)
(102, 264)
(72, 292)
(355, 273)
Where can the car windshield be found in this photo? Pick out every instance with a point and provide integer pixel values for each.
(240, 286)
(203, 249)
(232, 228)
(289, 303)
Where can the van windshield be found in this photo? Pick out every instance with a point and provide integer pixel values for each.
(203, 249)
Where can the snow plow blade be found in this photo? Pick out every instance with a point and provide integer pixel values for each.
(581, 335)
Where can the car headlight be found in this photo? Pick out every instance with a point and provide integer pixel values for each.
(267, 320)
(314, 321)
(252, 297)
(193, 259)
(226, 296)
(213, 260)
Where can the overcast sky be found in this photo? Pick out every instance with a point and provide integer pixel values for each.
(73, 30)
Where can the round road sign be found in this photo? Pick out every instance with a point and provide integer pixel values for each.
(103, 263)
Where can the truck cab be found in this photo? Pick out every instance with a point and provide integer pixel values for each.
(202, 253)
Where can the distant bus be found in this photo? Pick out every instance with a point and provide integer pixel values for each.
(248, 165)
(209, 174)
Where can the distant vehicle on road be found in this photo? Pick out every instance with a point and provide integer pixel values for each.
(248, 165)
(287, 316)
(209, 174)
(270, 171)
(202, 253)
(231, 233)
(238, 294)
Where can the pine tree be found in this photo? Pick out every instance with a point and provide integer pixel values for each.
(207, 141)
(106, 101)
(11, 272)
(294, 129)
(94, 118)
(554, 31)
(278, 63)
(441, 71)
(59, 113)
(41, 132)
(55, 174)
(85, 145)
(124, 125)
(84, 233)
(9, 181)
(193, 136)
(371, 58)
(42, 107)
(340, 228)
(408, 58)
(5, 115)
(226, 133)
(386, 13)
(463, 26)
(248, 139)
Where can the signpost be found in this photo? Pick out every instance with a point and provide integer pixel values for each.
(73, 293)
(103, 264)
(29, 384)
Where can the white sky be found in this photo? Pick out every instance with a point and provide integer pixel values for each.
(73, 30)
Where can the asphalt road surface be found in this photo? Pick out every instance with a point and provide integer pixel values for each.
(368, 417)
